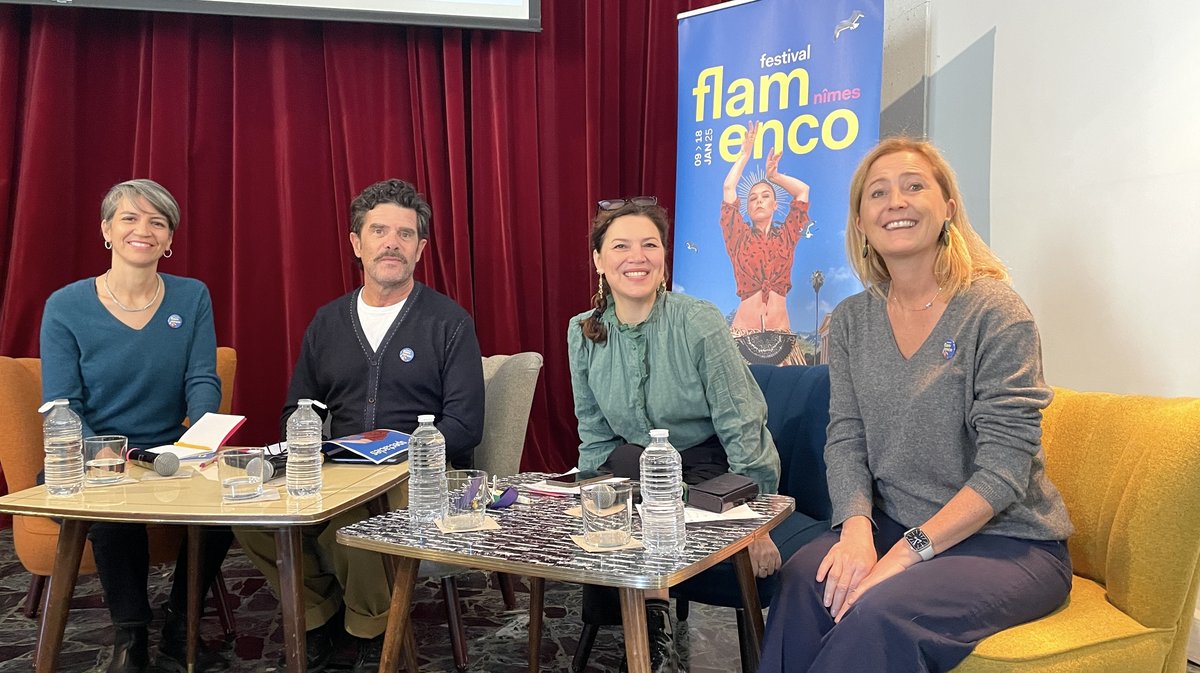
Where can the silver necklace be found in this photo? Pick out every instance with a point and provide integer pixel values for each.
(926, 307)
(123, 307)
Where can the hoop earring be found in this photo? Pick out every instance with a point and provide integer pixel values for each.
(108, 245)
(167, 253)
(945, 235)
(866, 249)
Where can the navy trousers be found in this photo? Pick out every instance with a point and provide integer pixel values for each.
(927, 618)
(122, 553)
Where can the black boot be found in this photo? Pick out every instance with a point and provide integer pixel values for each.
(130, 650)
(172, 649)
(370, 651)
(663, 658)
(319, 645)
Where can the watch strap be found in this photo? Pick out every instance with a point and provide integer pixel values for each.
(919, 542)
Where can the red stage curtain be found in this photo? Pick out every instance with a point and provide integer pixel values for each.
(265, 129)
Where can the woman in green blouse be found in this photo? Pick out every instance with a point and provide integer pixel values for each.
(646, 358)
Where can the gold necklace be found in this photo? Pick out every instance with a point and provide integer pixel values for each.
(926, 307)
(123, 307)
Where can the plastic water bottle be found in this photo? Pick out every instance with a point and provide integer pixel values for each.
(304, 450)
(426, 472)
(663, 532)
(62, 436)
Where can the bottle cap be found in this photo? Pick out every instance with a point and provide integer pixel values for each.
(425, 418)
(659, 433)
(52, 403)
(311, 403)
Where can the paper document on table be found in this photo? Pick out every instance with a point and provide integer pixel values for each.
(693, 515)
(551, 489)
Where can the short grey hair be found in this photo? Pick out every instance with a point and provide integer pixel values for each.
(155, 194)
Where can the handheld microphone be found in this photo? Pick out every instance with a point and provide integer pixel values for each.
(165, 464)
(273, 466)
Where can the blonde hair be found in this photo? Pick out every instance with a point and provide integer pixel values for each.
(958, 264)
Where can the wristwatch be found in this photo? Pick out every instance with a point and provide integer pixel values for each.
(919, 541)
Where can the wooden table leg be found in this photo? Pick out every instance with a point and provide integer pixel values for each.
(398, 627)
(291, 597)
(753, 608)
(391, 571)
(71, 537)
(537, 604)
(410, 650)
(195, 570)
(507, 590)
(637, 637)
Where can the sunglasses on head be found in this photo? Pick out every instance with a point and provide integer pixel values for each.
(617, 204)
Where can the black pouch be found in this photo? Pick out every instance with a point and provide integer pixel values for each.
(722, 493)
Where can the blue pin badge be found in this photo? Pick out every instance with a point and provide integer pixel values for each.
(174, 321)
(406, 354)
(949, 349)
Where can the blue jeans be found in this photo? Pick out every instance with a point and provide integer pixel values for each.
(927, 618)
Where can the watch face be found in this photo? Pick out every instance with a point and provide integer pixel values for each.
(916, 539)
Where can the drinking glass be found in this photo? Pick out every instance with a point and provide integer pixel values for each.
(104, 459)
(607, 514)
(240, 472)
(467, 498)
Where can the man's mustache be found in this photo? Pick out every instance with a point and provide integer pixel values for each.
(392, 255)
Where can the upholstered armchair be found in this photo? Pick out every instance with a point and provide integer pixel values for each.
(36, 538)
(1128, 468)
(509, 384)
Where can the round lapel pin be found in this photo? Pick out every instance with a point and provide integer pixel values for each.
(949, 349)
(406, 354)
(174, 321)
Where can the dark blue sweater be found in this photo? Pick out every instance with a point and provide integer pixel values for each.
(138, 383)
(427, 363)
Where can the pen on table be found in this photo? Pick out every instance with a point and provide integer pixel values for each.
(206, 463)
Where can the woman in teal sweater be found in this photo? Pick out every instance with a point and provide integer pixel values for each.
(134, 352)
(646, 358)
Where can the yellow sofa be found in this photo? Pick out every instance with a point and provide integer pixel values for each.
(1129, 470)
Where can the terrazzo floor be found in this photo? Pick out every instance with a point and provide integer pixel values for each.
(496, 638)
(707, 641)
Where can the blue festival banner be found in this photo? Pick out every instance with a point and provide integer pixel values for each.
(778, 101)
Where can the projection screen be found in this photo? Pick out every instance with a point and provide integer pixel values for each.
(498, 14)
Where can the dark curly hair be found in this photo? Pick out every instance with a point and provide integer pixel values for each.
(396, 192)
(593, 328)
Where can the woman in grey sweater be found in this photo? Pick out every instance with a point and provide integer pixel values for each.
(946, 529)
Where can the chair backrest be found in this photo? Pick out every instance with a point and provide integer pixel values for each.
(797, 415)
(227, 370)
(1128, 468)
(509, 382)
(20, 423)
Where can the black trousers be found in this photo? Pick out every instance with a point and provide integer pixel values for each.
(122, 552)
(602, 605)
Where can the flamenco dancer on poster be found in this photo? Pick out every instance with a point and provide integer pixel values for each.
(762, 255)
